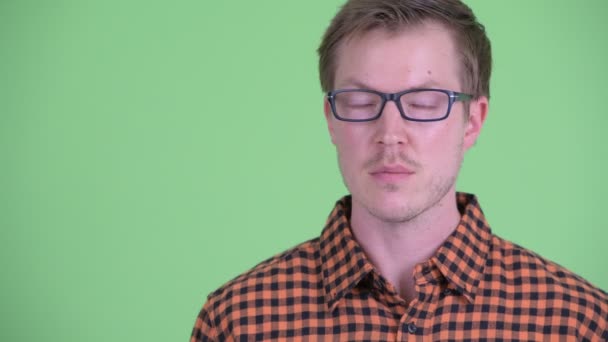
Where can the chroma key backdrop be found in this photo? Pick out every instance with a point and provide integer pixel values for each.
(152, 150)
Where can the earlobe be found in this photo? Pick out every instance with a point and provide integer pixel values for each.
(478, 109)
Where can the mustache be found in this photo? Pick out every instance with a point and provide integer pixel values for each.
(393, 157)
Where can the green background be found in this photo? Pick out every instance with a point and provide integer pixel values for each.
(150, 151)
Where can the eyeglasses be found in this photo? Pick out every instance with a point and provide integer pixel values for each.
(358, 105)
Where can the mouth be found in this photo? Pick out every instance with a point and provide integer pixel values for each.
(391, 173)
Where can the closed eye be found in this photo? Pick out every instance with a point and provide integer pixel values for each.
(361, 105)
(422, 105)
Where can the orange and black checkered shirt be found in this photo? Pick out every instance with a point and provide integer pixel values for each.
(476, 287)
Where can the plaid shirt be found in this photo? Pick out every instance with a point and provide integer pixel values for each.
(476, 287)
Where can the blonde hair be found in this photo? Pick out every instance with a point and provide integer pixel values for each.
(357, 17)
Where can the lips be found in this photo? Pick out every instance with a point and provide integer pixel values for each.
(391, 173)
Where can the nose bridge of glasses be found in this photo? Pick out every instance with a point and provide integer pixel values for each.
(390, 126)
(394, 98)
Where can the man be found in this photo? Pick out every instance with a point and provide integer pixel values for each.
(405, 256)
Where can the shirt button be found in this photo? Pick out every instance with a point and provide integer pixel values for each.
(447, 292)
(411, 328)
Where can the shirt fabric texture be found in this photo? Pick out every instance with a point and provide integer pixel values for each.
(477, 286)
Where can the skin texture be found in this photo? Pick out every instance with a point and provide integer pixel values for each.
(401, 219)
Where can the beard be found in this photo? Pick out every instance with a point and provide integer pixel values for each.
(421, 195)
(415, 204)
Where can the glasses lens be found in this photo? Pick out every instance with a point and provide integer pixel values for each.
(425, 104)
(357, 105)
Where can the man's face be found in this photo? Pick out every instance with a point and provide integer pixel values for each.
(397, 169)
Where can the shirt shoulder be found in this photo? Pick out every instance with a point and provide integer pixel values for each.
(245, 297)
(520, 260)
(303, 259)
(541, 283)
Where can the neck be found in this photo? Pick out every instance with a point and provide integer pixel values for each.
(396, 248)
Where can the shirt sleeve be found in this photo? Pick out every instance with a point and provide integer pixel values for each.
(204, 330)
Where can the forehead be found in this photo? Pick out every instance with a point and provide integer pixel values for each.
(423, 54)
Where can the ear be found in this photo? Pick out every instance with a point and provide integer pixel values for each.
(329, 118)
(478, 109)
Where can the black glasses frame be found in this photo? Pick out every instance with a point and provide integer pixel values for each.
(396, 97)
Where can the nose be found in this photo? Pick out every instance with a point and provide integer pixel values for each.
(391, 126)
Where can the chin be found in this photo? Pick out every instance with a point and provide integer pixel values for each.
(394, 215)
(390, 206)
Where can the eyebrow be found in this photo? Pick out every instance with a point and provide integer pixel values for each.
(352, 83)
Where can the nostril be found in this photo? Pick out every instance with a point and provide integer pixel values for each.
(392, 139)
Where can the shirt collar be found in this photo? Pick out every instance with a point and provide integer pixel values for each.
(343, 261)
(460, 259)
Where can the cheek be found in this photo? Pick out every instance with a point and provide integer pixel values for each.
(440, 146)
(351, 147)
(348, 137)
(448, 148)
